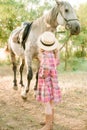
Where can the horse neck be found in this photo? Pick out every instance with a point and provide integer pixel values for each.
(52, 17)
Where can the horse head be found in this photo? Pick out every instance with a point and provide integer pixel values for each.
(67, 17)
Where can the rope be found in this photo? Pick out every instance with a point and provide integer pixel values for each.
(65, 43)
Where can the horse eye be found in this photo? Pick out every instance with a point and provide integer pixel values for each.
(66, 10)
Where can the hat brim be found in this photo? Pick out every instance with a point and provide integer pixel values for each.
(48, 48)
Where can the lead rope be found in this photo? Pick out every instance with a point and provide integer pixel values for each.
(65, 43)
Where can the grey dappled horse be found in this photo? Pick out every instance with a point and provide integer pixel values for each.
(61, 14)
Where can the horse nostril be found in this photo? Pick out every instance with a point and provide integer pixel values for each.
(77, 29)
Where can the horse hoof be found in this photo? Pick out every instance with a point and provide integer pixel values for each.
(15, 87)
(24, 95)
(21, 84)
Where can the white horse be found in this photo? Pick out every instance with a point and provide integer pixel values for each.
(61, 14)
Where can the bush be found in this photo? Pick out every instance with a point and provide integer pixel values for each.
(80, 54)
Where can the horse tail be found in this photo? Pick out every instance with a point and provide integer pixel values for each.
(26, 33)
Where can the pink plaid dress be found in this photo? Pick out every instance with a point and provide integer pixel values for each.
(48, 89)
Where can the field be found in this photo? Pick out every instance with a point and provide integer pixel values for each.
(17, 114)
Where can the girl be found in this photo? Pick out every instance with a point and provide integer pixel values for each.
(48, 90)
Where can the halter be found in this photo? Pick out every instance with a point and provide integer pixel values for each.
(67, 20)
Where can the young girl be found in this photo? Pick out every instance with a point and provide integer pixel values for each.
(48, 90)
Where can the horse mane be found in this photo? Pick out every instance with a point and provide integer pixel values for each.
(51, 16)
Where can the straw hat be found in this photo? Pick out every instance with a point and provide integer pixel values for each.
(47, 41)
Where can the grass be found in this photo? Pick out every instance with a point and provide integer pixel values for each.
(74, 64)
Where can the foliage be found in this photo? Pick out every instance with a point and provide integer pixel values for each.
(80, 54)
(81, 39)
(74, 64)
(14, 12)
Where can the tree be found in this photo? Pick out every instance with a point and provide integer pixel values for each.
(13, 13)
(81, 39)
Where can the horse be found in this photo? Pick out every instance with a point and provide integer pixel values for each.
(61, 14)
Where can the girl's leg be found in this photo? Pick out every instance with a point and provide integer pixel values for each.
(49, 109)
(48, 116)
(52, 106)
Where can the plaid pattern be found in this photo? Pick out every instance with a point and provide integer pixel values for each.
(48, 88)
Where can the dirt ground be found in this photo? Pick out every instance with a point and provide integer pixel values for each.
(17, 114)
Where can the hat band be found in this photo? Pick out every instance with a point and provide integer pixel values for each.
(47, 44)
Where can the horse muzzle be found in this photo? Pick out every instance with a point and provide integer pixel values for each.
(74, 27)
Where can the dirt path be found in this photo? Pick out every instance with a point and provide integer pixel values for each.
(70, 114)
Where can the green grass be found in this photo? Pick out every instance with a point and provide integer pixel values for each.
(74, 64)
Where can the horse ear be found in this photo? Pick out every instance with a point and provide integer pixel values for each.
(59, 2)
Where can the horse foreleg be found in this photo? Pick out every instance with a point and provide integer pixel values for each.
(28, 60)
(21, 72)
(29, 78)
(14, 70)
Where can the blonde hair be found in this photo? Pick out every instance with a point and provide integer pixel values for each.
(54, 51)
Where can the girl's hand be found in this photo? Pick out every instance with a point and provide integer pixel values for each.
(44, 73)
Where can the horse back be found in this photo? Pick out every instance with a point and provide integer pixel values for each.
(20, 34)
